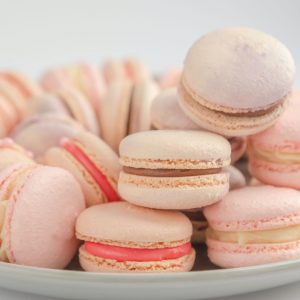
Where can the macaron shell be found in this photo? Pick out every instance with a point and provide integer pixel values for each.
(230, 255)
(238, 148)
(251, 70)
(170, 78)
(97, 264)
(174, 149)
(139, 225)
(7, 114)
(173, 192)
(238, 211)
(237, 179)
(40, 133)
(51, 198)
(10, 156)
(143, 95)
(228, 124)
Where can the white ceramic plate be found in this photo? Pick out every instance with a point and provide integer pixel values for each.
(208, 282)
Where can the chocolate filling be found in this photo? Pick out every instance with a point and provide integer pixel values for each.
(169, 172)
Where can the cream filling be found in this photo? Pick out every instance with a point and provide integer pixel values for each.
(3, 207)
(280, 235)
(275, 156)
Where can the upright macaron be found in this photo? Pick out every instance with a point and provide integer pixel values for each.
(92, 162)
(39, 206)
(121, 237)
(173, 169)
(239, 88)
(274, 154)
(254, 225)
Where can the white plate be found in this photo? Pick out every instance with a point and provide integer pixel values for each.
(193, 285)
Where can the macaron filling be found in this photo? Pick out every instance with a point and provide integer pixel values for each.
(279, 235)
(170, 172)
(92, 169)
(122, 254)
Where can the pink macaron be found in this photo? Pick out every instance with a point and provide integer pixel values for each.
(239, 88)
(82, 76)
(173, 169)
(166, 113)
(121, 237)
(274, 153)
(254, 225)
(38, 211)
(39, 133)
(170, 78)
(92, 162)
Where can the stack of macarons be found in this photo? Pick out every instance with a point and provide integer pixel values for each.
(138, 170)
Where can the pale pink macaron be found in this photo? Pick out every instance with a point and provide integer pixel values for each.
(237, 179)
(68, 102)
(274, 154)
(254, 225)
(26, 86)
(132, 69)
(82, 76)
(126, 109)
(12, 153)
(121, 237)
(39, 133)
(239, 88)
(38, 210)
(170, 78)
(166, 113)
(173, 169)
(92, 162)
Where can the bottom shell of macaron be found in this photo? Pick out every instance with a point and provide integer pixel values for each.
(94, 263)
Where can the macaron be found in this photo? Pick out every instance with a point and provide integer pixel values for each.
(166, 113)
(253, 226)
(237, 179)
(68, 102)
(126, 109)
(170, 78)
(131, 69)
(12, 153)
(39, 133)
(82, 76)
(274, 153)
(27, 87)
(92, 162)
(39, 206)
(173, 169)
(240, 88)
(121, 237)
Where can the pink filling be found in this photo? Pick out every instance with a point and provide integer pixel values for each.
(136, 254)
(92, 169)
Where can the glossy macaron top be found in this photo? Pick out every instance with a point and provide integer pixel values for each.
(174, 149)
(251, 69)
(167, 114)
(284, 135)
(130, 224)
(255, 208)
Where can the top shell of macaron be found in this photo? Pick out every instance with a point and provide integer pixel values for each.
(124, 222)
(174, 149)
(255, 208)
(240, 68)
(284, 135)
(167, 114)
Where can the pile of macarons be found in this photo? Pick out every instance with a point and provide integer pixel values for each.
(129, 171)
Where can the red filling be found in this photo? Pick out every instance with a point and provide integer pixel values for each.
(92, 169)
(136, 254)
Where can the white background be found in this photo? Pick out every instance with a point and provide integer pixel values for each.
(35, 34)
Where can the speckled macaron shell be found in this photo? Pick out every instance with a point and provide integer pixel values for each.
(252, 70)
(164, 149)
(253, 209)
(167, 114)
(280, 144)
(99, 153)
(40, 133)
(140, 227)
(45, 200)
